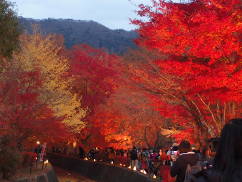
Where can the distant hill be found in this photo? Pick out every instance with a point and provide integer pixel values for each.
(88, 32)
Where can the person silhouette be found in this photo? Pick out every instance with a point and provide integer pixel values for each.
(227, 165)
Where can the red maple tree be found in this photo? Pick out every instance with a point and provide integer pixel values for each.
(200, 71)
(95, 76)
(22, 116)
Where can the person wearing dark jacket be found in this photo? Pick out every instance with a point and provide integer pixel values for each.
(186, 157)
(227, 165)
(134, 158)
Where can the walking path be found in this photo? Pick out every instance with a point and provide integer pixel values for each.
(68, 176)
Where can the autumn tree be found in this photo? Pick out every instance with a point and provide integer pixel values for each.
(44, 53)
(206, 29)
(200, 74)
(95, 78)
(192, 106)
(212, 92)
(9, 29)
(128, 118)
(160, 88)
(95, 70)
(23, 118)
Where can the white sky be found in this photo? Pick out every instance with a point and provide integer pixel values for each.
(114, 14)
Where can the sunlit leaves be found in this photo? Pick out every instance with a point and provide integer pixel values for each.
(45, 54)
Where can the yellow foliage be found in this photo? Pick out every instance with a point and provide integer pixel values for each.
(44, 54)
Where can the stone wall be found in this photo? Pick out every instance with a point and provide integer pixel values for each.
(100, 172)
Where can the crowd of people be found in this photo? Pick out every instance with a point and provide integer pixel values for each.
(218, 161)
(222, 165)
(147, 160)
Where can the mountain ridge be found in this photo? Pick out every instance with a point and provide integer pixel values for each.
(89, 32)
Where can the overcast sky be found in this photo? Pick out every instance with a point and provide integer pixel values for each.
(114, 14)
